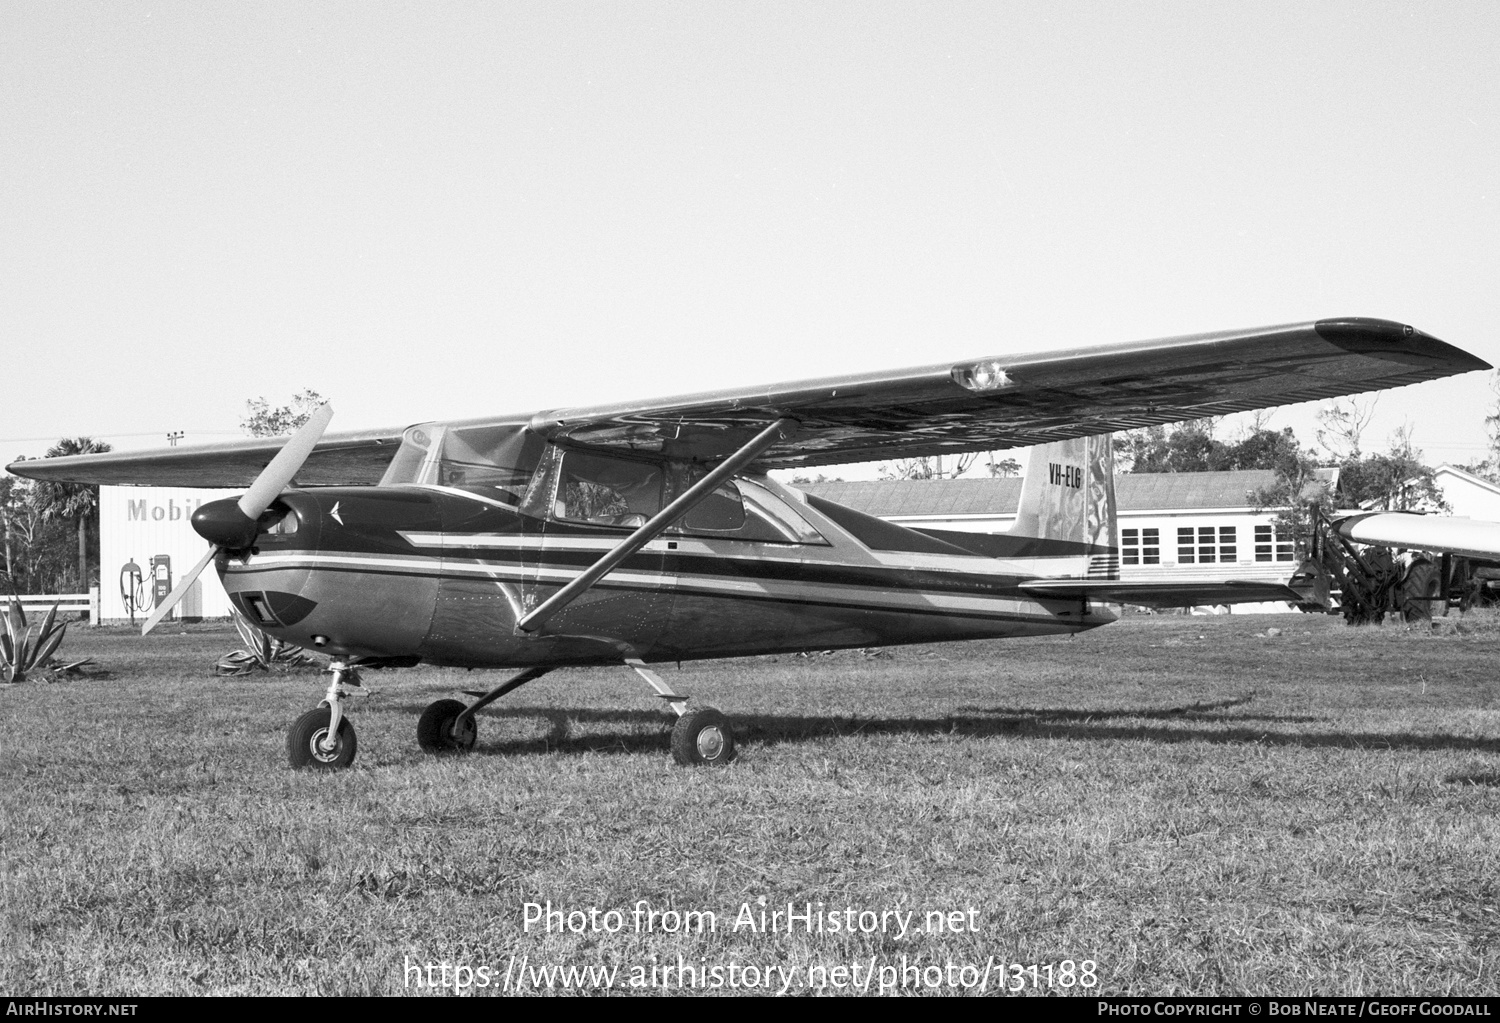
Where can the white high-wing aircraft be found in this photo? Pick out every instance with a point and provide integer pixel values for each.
(1447, 534)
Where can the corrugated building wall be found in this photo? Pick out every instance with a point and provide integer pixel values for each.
(147, 529)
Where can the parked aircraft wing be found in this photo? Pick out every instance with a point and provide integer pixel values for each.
(970, 405)
(1473, 538)
(1021, 400)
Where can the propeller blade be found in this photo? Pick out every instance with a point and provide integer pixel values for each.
(273, 479)
(178, 591)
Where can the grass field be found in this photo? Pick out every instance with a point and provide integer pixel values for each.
(1187, 804)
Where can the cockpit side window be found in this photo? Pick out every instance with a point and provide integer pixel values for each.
(605, 491)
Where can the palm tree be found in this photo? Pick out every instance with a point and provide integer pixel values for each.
(77, 502)
(10, 492)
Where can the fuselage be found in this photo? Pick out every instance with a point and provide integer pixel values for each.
(444, 573)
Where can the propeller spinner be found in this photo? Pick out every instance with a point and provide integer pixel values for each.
(234, 524)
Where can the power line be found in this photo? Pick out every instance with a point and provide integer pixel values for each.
(106, 436)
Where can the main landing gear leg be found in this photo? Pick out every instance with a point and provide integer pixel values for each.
(701, 736)
(447, 726)
(323, 738)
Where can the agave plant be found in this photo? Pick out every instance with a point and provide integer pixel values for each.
(261, 651)
(24, 648)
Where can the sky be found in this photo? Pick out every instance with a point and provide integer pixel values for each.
(435, 210)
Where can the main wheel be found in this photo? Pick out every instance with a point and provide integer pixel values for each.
(1420, 590)
(702, 737)
(440, 731)
(304, 743)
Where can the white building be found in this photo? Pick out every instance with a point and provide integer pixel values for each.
(1179, 526)
(146, 543)
(1467, 494)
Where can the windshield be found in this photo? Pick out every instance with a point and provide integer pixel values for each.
(492, 459)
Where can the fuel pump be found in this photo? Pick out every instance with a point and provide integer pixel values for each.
(132, 589)
(161, 578)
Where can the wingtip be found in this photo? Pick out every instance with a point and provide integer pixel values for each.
(1368, 335)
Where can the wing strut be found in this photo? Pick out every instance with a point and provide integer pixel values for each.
(777, 431)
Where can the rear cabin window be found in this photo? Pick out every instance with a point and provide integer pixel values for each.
(741, 510)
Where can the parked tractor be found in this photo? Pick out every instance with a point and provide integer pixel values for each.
(1367, 583)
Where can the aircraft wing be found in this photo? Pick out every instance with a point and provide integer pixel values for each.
(1473, 538)
(973, 405)
(347, 458)
(1166, 593)
(1021, 400)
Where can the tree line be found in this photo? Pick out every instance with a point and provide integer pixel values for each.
(45, 529)
(1393, 479)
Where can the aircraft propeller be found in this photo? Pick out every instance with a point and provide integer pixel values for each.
(234, 524)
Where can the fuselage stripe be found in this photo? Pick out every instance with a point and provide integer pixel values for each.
(694, 572)
(891, 594)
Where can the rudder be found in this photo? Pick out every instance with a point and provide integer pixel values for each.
(1068, 495)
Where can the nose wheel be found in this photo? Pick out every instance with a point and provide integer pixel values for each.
(323, 738)
(312, 743)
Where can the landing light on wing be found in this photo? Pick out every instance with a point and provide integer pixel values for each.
(985, 375)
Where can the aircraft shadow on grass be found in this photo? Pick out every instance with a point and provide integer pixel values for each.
(649, 731)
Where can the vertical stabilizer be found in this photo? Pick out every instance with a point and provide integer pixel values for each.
(1068, 500)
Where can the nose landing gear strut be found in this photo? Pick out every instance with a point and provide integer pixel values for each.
(323, 738)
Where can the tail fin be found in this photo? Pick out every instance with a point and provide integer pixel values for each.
(1068, 498)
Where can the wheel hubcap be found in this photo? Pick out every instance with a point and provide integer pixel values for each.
(460, 733)
(322, 750)
(710, 742)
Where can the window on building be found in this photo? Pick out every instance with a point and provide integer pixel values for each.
(1272, 543)
(1205, 545)
(1140, 546)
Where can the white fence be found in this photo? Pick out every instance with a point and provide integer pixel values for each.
(41, 603)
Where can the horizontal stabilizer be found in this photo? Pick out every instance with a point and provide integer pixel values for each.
(1168, 593)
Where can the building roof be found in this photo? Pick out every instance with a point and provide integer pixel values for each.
(895, 498)
(1134, 492)
(1449, 469)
